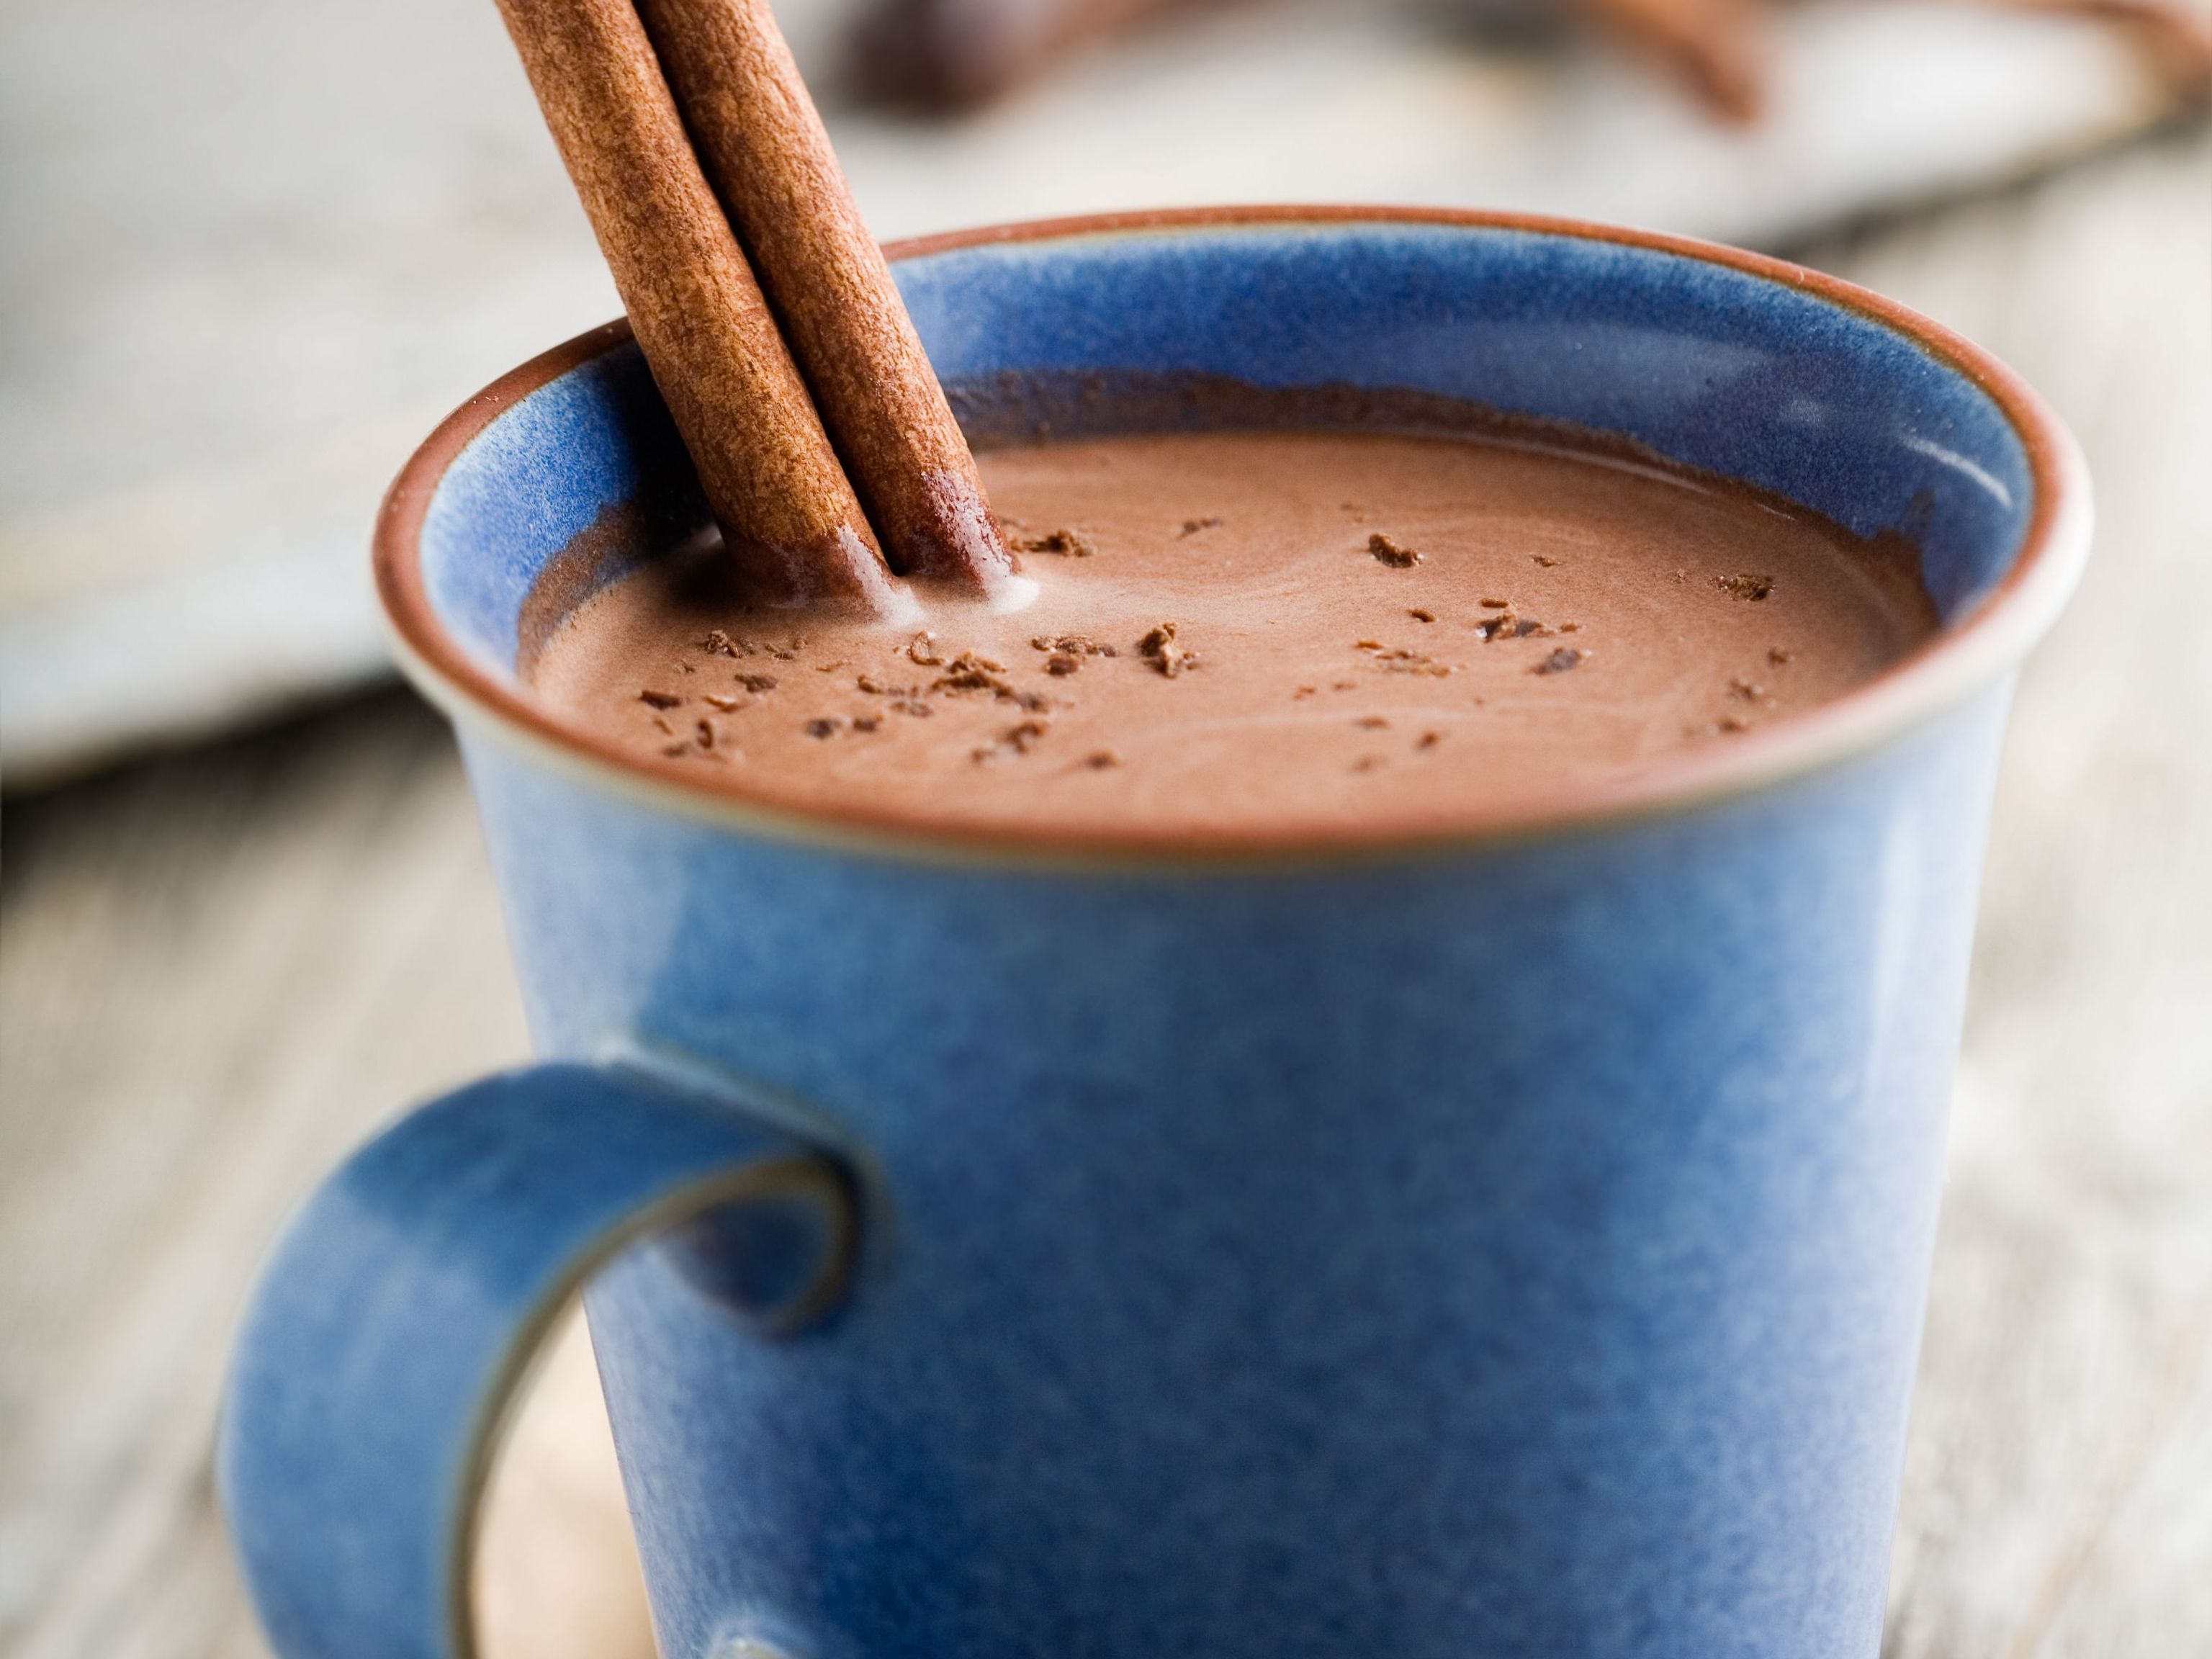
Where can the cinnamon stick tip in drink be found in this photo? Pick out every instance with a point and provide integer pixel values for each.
(765, 461)
(764, 308)
(763, 145)
(960, 537)
(840, 574)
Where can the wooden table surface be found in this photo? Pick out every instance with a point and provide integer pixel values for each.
(219, 969)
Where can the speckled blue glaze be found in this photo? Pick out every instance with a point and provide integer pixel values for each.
(1714, 367)
(1514, 1249)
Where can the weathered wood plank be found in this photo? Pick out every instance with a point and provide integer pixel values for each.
(216, 974)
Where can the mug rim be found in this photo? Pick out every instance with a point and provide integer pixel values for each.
(1958, 660)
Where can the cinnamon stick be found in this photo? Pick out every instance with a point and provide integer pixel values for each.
(762, 145)
(768, 468)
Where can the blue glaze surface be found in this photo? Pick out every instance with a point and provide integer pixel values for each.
(393, 1317)
(1516, 1254)
(1710, 366)
(1503, 1249)
(595, 439)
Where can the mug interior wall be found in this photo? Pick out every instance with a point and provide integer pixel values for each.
(1711, 367)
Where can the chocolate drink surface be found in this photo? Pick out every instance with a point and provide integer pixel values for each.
(1238, 630)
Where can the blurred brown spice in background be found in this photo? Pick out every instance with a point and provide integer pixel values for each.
(952, 54)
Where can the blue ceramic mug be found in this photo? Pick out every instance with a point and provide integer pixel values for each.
(1499, 1236)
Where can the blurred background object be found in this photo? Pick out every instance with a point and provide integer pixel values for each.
(953, 54)
(255, 248)
(252, 252)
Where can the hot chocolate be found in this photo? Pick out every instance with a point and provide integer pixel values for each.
(1281, 629)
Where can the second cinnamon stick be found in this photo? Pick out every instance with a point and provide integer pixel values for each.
(763, 145)
(767, 466)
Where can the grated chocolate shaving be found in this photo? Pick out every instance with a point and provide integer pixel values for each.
(1015, 739)
(1507, 626)
(1388, 552)
(1159, 648)
(970, 672)
(1071, 645)
(1397, 660)
(1070, 543)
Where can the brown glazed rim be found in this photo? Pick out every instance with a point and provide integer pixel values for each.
(1958, 661)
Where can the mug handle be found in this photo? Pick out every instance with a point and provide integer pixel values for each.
(401, 1308)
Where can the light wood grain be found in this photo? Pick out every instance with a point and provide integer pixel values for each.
(217, 972)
